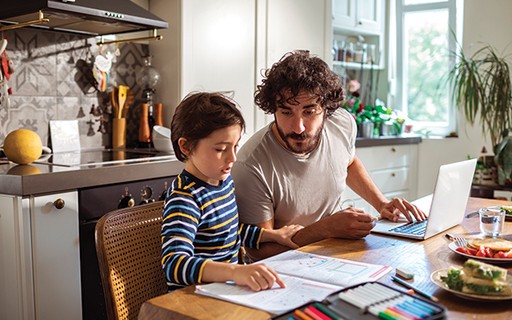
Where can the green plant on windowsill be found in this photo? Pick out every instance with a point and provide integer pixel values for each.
(378, 115)
(482, 90)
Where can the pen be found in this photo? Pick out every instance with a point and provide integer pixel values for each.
(410, 286)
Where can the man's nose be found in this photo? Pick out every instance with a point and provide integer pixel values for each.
(298, 124)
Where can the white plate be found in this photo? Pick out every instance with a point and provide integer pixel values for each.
(453, 246)
(436, 279)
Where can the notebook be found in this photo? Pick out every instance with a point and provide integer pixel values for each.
(445, 207)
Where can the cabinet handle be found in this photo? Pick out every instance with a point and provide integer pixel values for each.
(59, 203)
(393, 174)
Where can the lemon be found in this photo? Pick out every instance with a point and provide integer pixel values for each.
(23, 146)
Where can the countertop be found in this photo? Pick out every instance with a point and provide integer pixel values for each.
(387, 140)
(40, 178)
(32, 179)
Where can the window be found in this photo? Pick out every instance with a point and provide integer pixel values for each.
(424, 45)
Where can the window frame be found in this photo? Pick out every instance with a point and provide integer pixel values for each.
(397, 59)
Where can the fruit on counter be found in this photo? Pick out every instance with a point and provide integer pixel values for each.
(480, 278)
(23, 146)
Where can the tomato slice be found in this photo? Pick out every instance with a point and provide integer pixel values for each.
(462, 250)
(471, 251)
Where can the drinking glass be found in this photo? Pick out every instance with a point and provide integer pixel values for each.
(492, 221)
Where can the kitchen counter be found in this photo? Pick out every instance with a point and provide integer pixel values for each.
(387, 140)
(43, 178)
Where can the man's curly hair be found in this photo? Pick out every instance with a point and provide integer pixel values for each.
(295, 72)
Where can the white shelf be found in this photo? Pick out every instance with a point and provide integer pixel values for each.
(357, 65)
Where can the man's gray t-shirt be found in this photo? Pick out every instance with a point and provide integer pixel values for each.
(272, 182)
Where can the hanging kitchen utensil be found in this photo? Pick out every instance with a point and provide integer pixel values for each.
(5, 66)
(114, 101)
(3, 45)
(130, 98)
(101, 70)
(123, 90)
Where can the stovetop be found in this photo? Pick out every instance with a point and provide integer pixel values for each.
(100, 157)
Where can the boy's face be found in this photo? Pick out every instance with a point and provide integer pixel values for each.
(298, 126)
(213, 157)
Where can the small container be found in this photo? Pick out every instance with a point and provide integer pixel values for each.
(492, 221)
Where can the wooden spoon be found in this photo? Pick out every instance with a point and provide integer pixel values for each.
(123, 90)
(115, 105)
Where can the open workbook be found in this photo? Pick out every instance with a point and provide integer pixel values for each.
(307, 277)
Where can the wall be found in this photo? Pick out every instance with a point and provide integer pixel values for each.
(485, 22)
(51, 81)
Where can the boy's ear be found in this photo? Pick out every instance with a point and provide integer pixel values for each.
(182, 143)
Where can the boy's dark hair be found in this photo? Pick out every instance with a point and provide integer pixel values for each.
(198, 115)
(297, 71)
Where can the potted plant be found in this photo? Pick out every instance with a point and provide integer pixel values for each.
(482, 90)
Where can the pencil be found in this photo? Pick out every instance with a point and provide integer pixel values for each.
(302, 315)
(416, 290)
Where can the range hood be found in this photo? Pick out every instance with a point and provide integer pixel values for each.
(90, 17)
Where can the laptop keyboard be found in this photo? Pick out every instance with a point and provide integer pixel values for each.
(415, 228)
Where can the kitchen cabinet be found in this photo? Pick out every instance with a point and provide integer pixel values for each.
(365, 16)
(40, 259)
(222, 45)
(393, 168)
(351, 19)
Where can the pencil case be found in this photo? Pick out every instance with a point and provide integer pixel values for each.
(369, 300)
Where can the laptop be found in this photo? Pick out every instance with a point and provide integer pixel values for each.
(445, 207)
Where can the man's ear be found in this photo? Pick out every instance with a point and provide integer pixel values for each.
(183, 144)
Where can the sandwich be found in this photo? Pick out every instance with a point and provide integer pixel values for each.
(479, 278)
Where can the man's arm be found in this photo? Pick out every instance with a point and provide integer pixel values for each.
(350, 223)
(359, 180)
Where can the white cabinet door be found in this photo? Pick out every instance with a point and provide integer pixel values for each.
(359, 15)
(16, 297)
(288, 25)
(56, 256)
(369, 15)
(344, 13)
(218, 46)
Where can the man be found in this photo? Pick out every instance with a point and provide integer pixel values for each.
(295, 170)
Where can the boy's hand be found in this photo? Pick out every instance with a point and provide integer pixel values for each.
(256, 276)
(284, 235)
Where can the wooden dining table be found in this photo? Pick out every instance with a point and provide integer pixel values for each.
(421, 258)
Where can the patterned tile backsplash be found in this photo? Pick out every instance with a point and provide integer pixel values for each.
(52, 80)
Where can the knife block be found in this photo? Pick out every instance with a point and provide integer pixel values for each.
(119, 133)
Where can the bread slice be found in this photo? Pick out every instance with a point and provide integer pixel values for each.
(491, 243)
(485, 287)
(478, 269)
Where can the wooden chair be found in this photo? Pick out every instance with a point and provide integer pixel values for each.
(128, 246)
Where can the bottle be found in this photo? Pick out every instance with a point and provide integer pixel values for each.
(158, 115)
(146, 123)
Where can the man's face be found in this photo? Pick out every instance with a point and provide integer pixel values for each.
(299, 124)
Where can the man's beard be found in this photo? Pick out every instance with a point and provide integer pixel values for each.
(300, 143)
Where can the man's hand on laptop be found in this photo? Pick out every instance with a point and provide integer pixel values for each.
(392, 210)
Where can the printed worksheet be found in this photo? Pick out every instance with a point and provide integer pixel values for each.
(276, 300)
(336, 271)
(308, 277)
